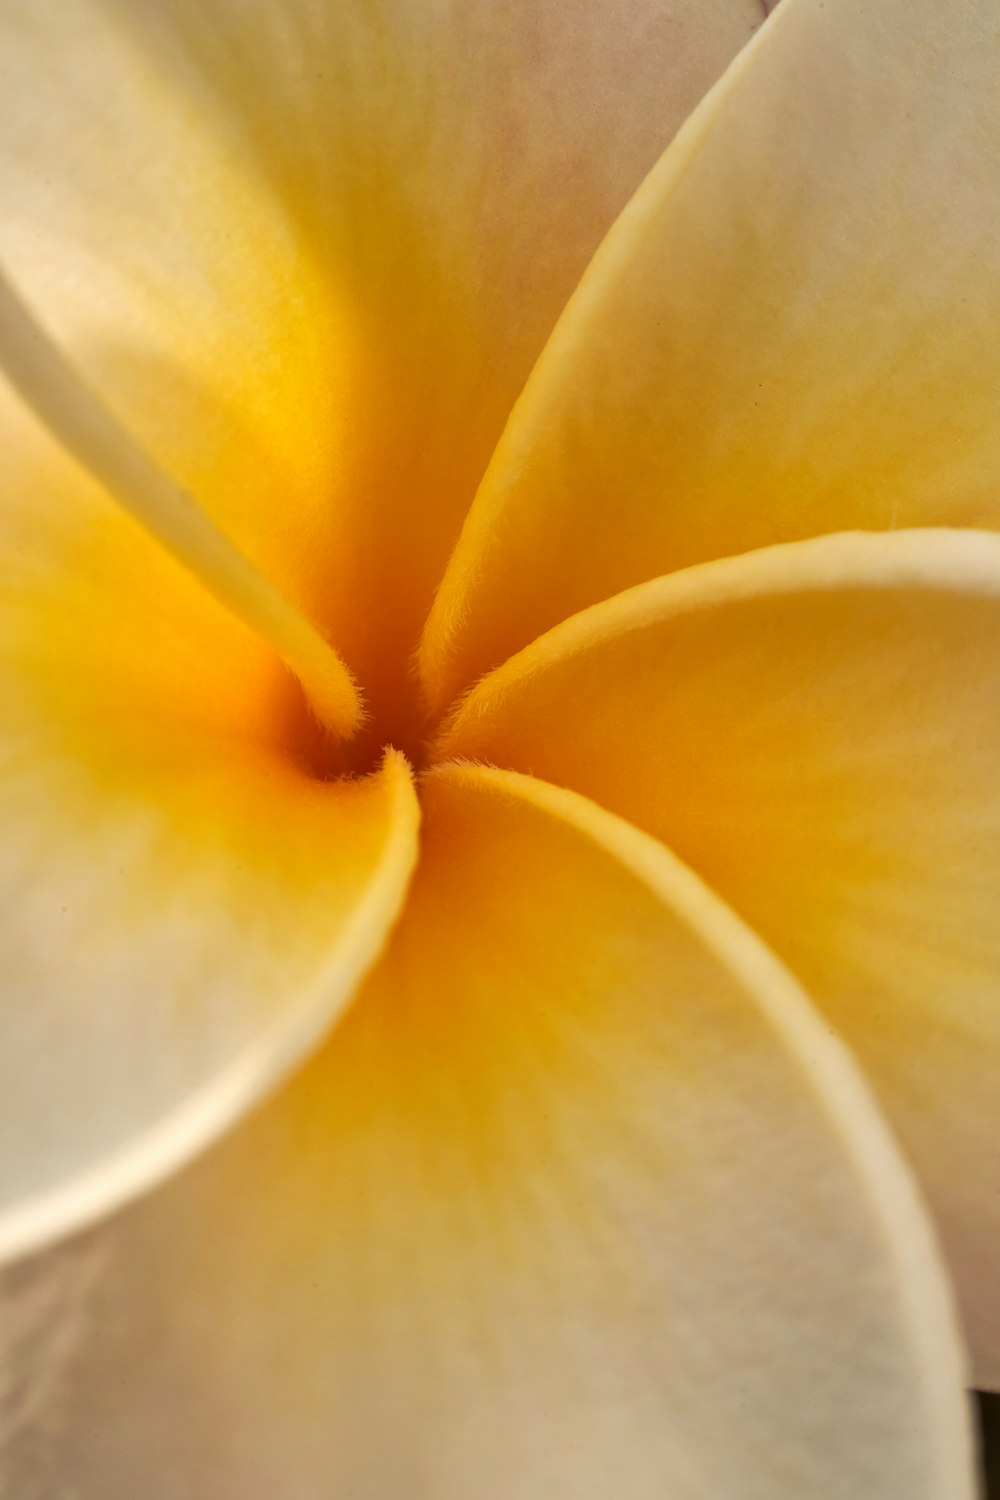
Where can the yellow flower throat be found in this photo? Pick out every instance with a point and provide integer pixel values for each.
(72, 412)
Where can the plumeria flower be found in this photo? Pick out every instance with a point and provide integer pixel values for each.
(499, 748)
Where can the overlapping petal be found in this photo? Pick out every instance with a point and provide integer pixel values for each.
(186, 904)
(158, 258)
(790, 331)
(310, 251)
(580, 1182)
(815, 728)
(170, 951)
(578, 1200)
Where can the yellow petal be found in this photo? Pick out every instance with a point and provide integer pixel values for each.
(790, 331)
(815, 728)
(157, 256)
(62, 401)
(311, 250)
(169, 955)
(579, 1200)
(186, 905)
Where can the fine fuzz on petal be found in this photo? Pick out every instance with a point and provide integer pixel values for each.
(580, 1200)
(815, 728)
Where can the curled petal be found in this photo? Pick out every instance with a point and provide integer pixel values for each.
(580, 1199)
(186, 905)
(814, 728)
(789, 331)
(309, 251)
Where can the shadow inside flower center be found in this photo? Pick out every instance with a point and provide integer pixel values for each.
(400, 724)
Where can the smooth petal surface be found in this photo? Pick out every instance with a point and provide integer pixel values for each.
(310, 251)
(159, 259)
(790, 331)
(185, 904)
(580, 1199)
(815, 728)
(170, 952)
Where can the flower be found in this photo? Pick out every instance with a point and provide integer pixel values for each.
(546, 738)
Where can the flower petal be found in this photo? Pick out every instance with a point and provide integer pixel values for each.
(814, 728)
(169, 954)
(157, 255)
(790, 331)
(185, 905)
(310, 251)
(579, 1200)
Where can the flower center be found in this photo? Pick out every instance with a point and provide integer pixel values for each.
(403, 726)
(322, 717)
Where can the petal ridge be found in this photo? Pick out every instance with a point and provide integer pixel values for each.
(936, 558)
